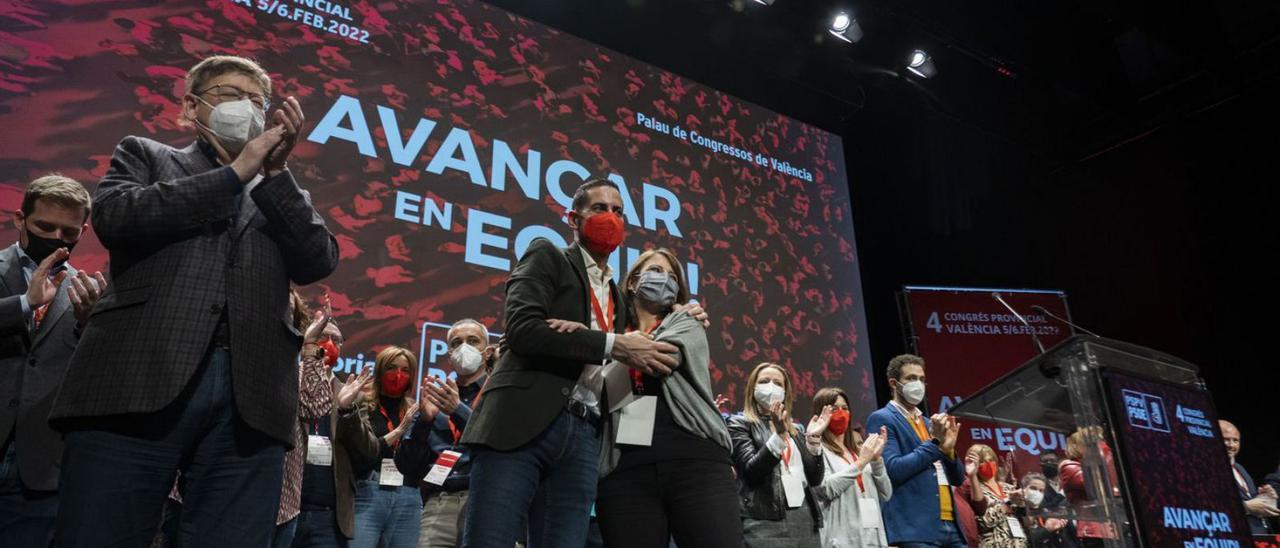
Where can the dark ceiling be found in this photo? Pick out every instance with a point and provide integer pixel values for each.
(1085, 76)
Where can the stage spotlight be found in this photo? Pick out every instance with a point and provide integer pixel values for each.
(921, 64)
(764, 2)
(845, 28)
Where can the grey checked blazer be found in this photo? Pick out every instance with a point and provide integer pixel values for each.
(178, 259)
(31, 366)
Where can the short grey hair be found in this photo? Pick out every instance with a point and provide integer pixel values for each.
(466, 321)
(217, 65)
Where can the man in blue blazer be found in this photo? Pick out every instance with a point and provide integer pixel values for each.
(920, 456)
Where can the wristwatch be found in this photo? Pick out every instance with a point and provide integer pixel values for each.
(317, 354)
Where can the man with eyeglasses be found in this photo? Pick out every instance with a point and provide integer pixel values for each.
(189, 361)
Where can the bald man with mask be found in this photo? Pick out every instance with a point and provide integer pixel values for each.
(1259, 504)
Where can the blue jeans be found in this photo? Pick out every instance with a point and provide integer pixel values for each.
(551, 480)
(951, 538)
(318, 529)
(117, 471)
(26, 516)
(388, 513)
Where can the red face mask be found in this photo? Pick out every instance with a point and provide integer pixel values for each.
(330, 352)
(395, 382)
(839, 422)
(602, 233)
(986, 471)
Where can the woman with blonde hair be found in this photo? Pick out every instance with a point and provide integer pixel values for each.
(387, 503)
(855, 479)
(778, 465)
(990, 500)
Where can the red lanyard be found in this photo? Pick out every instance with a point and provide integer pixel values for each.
(453, 429)
(605, 326)
(999, 491)
(849, 459)
(637, 378)
(391, 427)
(786, 453)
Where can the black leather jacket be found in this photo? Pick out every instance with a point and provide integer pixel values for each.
(759, 476)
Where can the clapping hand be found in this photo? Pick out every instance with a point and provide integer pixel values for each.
(84, 292)
(722, 402)
(1006, 469)
(251, 159)
(407, 419)
(442, 394)
(289, 117)
(351, 389)
(872, 448)
(951, 434)
(428, 409)
(319, 322)
(818, 424)
(42, 288)
(938, 426)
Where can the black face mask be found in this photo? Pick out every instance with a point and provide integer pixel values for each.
(1049, 469)
(39, 248)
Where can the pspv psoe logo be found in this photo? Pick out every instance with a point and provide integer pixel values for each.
(1145, 411)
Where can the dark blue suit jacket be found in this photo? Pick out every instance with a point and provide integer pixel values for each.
(1257, 525)
(912, 514)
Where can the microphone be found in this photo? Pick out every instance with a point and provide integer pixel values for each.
(996, 295)
(1041, 310)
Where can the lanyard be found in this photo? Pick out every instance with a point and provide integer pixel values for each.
(637, 378)
(849, 459)
(1239, 479)
(999, 491)
(606, 326)
(786, 453)
(391, 427)
(453, 428)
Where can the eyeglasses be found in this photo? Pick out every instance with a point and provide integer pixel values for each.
(227, 93)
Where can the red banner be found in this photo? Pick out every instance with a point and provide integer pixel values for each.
(968, 339)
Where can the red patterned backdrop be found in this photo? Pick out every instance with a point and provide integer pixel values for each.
(765, 224)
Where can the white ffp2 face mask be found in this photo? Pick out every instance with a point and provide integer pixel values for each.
(768, 393)
(466, 359)
(1034, 497)
(913, 392)
(235, 123)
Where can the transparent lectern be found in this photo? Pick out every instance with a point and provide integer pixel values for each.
(1155, 468)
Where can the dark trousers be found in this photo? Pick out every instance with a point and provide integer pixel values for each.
(26, 516)
(117, 471)
(318, 529)
(694, 502)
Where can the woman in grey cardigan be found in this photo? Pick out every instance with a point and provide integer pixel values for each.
(855, 481)
(665, 467)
